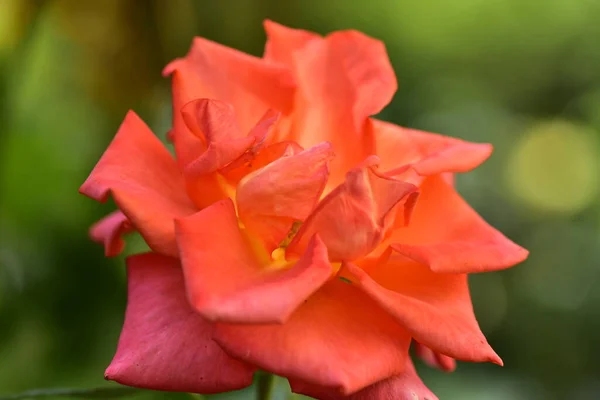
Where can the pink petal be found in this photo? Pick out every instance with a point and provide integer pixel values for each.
(109, 231)
(338, 338)
(164, 345)
(405, 386)
(227, 281)
(434, 359)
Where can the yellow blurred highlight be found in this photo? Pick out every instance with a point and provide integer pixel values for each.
(555, 167)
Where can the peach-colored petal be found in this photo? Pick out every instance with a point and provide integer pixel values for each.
(109, 231)
(251, 85)
(283, 42)
(287, 190)
(241, 166)
(226, 282)
(446, 234)
(338, 338)
(251, 162)
(426, 153)
(405, 386)
(164, 345)
(342, 79)
(434, 359)
(213, 121)
(435, 308)
(188, 146)
(144, 181)
(353, 219)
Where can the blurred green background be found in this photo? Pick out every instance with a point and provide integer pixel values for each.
(521, 74)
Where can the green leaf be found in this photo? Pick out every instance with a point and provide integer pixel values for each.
(95, 393)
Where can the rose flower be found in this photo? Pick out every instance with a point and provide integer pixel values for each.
(292, 232)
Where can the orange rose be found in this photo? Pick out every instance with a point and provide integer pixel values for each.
(293, 233)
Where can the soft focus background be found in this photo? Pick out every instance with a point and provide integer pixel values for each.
(523, 75)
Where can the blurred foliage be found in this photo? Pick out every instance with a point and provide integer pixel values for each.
(523, 75)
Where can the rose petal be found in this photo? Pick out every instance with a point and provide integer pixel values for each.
(433, 359)
(426, 153)
(213, 121)
(144, 181)
(188, 146)
(164, 345)
(342, 79)
(225, 280)
(353, 219)
(109, 231)
(338, 338)
(446, 234)
(287, 190)
(249, 163)
(251, 85)
(435, 308)
(283, 42)
(405, 386)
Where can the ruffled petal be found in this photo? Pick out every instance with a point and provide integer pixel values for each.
(401, 149)
(435, 308)
(251, 85)
(433, 359)
(109, 231)
(144, 181)
(287, 190)
(342, 79)
(253, 161)
(338, 338)
(164, 345)
(225, 279)
(405, 386)
(283, 42)
(213, 122)
(446, 234)
(353, 219)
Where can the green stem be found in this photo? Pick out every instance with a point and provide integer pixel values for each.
(264, 386)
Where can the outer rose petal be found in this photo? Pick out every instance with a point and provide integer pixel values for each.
(353, 219)
(188, 146)
(164, 345)
(226, 282)
(427, 153)
(446, 234)
(435, 308)
(144, 181)
(286, 190)
(342, 79)
(283, 42)
(250, 84)
(109, 231)
(405, 386)
(435, 360)
(338, 338)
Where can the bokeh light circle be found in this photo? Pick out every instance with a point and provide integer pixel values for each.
(555, 167)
